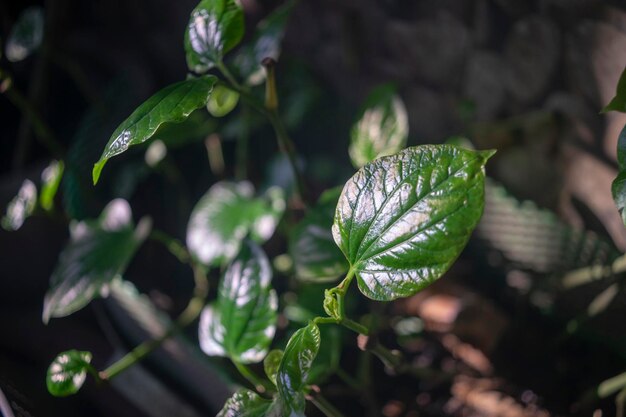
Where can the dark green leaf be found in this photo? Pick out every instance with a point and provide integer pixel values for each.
(618, 188)
(402, 220)
(228, 213)
(215, 27)
(382, 128)
(26, 35)
(170, 105)
(266, 43)
(51, 178)
(67, 373)
(97, 252)
(242, 322)
(21, 207)
(222, 101)
(295, 365)
(618, 103)
(327, 360)
(311, 245)
(271, 364)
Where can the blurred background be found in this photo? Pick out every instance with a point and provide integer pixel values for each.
(513, 330)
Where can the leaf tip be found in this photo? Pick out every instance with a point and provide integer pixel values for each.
(97, 169)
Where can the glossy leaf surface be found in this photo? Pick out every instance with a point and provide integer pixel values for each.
(618, 103)
(242, 322)
(402, 220)
(20, 207)
(245, 403)
(382, 128)
(311, 245)
(618, 187)
(271, 364)
(228, 213)
(67, 373)
(98, 252)
(222, 101)
(51, 179)
(173, 104)
(327, 360)
(215, 27)
(26, 35)
(295, 365)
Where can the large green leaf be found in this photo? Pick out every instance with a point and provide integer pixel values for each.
(242, 322)
(26, 35)
(215, 27)
(402, 220)
(294, 367)
(225, 215)
(311, 244)
(266, 43)
(618, 188)
(382, 128)
(98, 252)
(67, 373)
(170, 105)
(618, 103)
(20, 207)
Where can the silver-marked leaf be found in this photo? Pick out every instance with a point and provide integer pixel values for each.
(20, 207)
(245, 403)
(173, 104)
(50, 181)
(242, 322)
(222, 101)
(266, 43)
(402, 220)
(215, 27)
(98, 252)
(271, 364)
(618, 187)
(225, 215)
(294, 368)
(311, 245)
(67, 373)
(381, 129)
(26, 35)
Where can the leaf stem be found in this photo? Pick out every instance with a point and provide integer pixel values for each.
(324, 406)
(173, 245)
(191, 312)
(229, 76)
(259, 384)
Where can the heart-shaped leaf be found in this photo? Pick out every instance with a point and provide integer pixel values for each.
(402, 220)
(228, 213)
(215, 27)
(26, 35)
(271, 364)
(618, 103)
(20, 207)
(173, 104)
(311, 245)
(295, 365)
(382, 128)
(98, 252)
(242, 322)
(67, 373)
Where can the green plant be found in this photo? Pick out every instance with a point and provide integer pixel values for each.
(396, 226)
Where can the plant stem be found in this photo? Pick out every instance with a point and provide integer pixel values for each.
(191, 312)
(354, 326)
(173, 245)
(229, 76)
(259, 384)
(324, 406)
